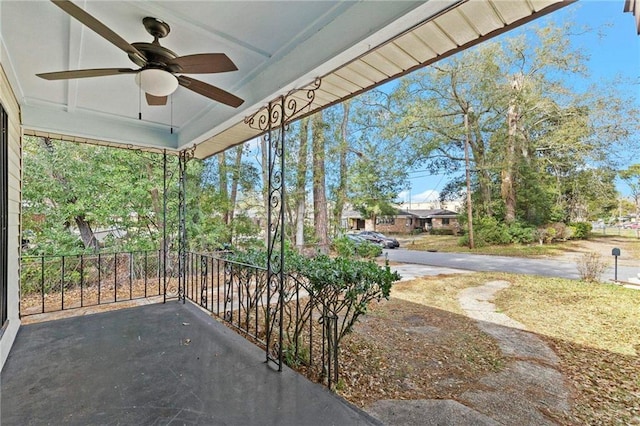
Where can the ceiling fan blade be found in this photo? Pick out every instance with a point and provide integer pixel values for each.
(155, 100)
(97, 26)
(96, 72)
(204, 63)
(211, 92)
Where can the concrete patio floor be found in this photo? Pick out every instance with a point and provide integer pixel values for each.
(155, 365)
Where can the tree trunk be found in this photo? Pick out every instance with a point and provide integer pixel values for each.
(508, 174)
(86, 233)
(301, 182)
(483, 176)
(235, 181)
(507, 188)
(224, 185)
(157, 205)
(319, 185)
(341, 190)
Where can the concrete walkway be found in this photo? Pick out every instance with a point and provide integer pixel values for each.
(531, 385)
(528, 389)
(160, 364)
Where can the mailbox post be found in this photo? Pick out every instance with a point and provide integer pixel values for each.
(615, 252)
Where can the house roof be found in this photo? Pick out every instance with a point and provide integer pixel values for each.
(351, 46)
(354, 214)
(434, 213)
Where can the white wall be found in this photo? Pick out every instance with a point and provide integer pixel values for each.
(11, 107)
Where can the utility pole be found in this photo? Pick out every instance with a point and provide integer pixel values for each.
(468, 173)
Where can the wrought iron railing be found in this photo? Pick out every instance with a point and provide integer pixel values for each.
(291, 320)
(61, 282)
(238, 294)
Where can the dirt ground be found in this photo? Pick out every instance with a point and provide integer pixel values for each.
(629, 249)
(413, 350)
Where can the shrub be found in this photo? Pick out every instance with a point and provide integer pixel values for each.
(549, 234)
(563, 232)
(591, 266)
(346, 286)
(344, 247)
(520, 233)
(581, 230)
(369, 250)
(490, 231)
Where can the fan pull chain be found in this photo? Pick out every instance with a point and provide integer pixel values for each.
(171, 119)
(140, 102)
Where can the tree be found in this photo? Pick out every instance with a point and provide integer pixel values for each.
(343, 150)
(69, 187)
(300, 191)
(372, 186)
(631, 176)
(531, 132)
(319, 185)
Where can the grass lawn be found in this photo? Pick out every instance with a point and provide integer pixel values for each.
(595, 330)
(420, 345)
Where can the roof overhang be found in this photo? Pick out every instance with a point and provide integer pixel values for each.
(633, 6)
(349, 46)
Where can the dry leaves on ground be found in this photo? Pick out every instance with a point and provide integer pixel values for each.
(403, 350)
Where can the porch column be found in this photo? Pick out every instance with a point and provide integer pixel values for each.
(182, 225)
(164, 225)
(273, 121)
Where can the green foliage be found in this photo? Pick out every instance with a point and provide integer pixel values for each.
(368, 250)
(346, 286)
(344, 247)
(488, 231)
(555, 164)
(631, 177)
(521, 233)
(253, 256)
(580, 230)
(68, 186)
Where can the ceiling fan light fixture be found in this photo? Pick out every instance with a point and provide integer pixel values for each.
(156, 82)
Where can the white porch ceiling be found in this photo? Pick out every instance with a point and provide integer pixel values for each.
(277, 45)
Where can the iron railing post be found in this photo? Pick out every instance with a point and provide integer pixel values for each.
(164, 228)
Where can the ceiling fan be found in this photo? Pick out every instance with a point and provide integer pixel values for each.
(159, 67)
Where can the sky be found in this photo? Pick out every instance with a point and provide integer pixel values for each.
(614, 51)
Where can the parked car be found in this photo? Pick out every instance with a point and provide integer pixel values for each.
(360, 246)
(380, 239)
(631, 225)
(355, 239)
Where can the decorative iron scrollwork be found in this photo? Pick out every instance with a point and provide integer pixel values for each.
(284, 109)
(204, 282)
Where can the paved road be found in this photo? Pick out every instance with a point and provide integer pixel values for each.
(485, 263)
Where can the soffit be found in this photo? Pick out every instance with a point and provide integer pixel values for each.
(448, 31)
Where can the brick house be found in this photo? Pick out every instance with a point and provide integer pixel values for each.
(436, 219)
(403, 221)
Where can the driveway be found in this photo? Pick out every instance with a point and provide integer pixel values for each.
(516, 265)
